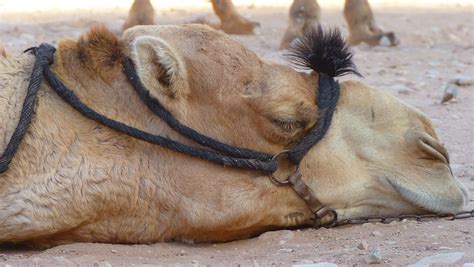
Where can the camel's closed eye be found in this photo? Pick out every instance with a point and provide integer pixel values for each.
(288, 125)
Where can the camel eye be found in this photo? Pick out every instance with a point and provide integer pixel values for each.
(288, 125)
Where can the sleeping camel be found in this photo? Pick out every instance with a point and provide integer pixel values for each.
(73, 179)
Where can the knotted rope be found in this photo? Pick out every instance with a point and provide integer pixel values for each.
(222, 153)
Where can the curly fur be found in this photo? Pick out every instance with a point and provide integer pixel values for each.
(324, 51)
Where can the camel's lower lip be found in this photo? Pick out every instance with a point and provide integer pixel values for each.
(432, 203)
(465, 192)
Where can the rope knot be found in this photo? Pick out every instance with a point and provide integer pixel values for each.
(44, 57)
(44, 53)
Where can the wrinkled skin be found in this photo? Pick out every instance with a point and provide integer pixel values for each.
(74, 180)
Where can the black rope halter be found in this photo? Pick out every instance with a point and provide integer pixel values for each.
(217, 152)
(224, 155)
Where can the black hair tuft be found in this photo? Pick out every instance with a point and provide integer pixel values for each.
(324, 51)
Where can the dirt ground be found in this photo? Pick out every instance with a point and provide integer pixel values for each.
(437, 45)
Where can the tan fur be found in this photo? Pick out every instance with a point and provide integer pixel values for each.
(73, 180)
(159, 66)
(362, 27)
(101, 52)
(141, 13)
(12, 93)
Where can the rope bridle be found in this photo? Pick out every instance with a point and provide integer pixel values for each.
(214, 151)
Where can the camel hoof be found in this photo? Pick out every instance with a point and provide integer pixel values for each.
(389, 39)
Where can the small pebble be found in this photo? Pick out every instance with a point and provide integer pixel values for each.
(450, 93)
(277, 235)
(363, 245)
(428, 247)
(113, 251)
(376, 233)
(287, 250)
(102, 264)
(438, 260)
(182, 253)
(374, 257)
(454, 117)
(462, 81)
(444, 248)
(61, 260)
(404, 92)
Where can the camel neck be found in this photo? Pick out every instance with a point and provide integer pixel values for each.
(14, 75)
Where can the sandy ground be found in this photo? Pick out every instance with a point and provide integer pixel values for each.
(437, 46)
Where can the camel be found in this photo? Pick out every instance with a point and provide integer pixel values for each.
(75, 180)
(141, 13)
(303, 14)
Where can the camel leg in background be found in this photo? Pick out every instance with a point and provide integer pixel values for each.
(141, 13)
(231, 21)
(2, 50)
(359, 17)
(302, 15)
(362, 26)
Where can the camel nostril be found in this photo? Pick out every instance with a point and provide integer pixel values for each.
(422, 141)
(434, 149)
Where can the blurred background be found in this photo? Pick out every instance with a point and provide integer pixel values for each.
(34, 5)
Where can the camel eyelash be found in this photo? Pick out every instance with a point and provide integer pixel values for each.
(288, 125)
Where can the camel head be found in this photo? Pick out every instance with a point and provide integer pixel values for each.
(380, 156)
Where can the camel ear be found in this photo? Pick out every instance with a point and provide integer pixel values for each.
(158, 66)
